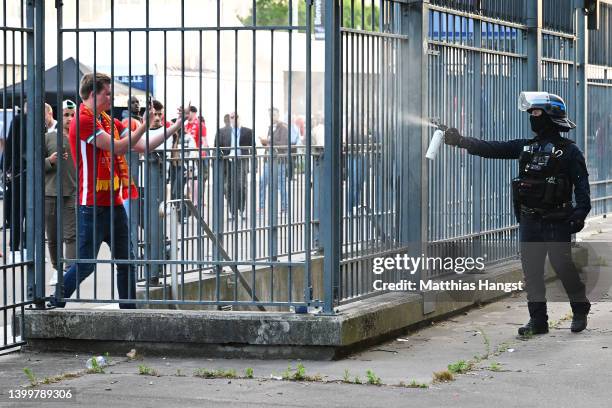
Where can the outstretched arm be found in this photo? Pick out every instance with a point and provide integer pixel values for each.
(104, 141)
(157, 137)
(510, 149)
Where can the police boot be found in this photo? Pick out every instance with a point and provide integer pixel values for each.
(538, 322)
(534, 326)
(579, 323)
(579, 320)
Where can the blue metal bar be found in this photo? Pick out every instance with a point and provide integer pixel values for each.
(330, 185)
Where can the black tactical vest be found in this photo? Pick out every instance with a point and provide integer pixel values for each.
(543, 182)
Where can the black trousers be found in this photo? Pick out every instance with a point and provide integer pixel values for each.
(178, 181)
(539, 238)
(235, 177)
(14, 214)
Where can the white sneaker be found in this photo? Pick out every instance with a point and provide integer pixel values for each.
(53, 280)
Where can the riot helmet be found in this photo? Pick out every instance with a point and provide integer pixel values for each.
(552, 105)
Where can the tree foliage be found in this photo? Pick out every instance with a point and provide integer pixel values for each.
(276, 13)
(268, 13)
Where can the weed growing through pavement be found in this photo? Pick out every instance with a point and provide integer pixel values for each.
(248, 372)
(459, 367)
(299, 374)
(373, 379)
(443, 376)
(95, 367)
(413, 384)
(144, 370)
(220, 373)
(31, 377)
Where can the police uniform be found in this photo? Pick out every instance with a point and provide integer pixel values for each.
(551, 169)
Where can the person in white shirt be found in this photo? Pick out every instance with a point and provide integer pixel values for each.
(318, 131)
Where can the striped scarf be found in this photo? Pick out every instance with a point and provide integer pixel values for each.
(122, 180)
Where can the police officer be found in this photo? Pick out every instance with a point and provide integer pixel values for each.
(551, 170)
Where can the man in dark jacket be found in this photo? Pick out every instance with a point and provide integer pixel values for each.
(236, 141)
(14, 167)
(552, 170)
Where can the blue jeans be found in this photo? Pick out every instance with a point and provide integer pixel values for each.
(134, 206)
(280, 169)
(89, 248)
(153, 227)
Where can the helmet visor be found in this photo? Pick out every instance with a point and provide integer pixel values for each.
(533, 100)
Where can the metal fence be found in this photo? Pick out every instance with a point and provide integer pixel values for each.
(297, 222)
(473, 66)
(226, 217)
(511, 10)
(599, 97)
(277, 234)
(480, 56)
(18, 285)
(371, 121)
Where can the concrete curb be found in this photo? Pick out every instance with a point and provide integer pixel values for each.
(259, 334)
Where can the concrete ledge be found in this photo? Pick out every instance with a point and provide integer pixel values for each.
(256, 334)
(194, 287)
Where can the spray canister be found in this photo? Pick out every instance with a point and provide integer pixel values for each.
(436, 142)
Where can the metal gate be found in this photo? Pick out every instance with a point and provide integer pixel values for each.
(399, 64)
(372, 46)
(21, 237)
(214, 224)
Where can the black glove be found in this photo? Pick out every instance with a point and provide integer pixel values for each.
(452, 137)
(576, 224)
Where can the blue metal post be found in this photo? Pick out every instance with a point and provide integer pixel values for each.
(331, 182)
(36, 147)
(33, 140)
(581, 101)
(30, 106)
(316, 200)
(534, 45)
(477, 132)
(414, 177)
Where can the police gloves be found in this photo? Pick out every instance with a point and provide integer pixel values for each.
(452, 137)
(576, 224)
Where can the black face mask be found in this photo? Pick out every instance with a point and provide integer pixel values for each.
(542, 124)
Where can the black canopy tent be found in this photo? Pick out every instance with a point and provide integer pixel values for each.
(70, 87)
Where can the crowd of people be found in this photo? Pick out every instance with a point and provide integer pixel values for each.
(102, 178)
